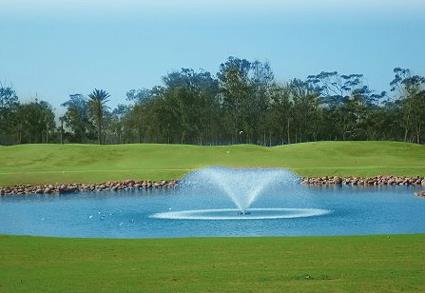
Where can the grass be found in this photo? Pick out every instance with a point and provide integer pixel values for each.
(295, 264)
(393, 263)
(32, 164)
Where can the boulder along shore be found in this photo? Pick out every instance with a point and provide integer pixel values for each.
(129, 185)
(126, 185)
(367, 181)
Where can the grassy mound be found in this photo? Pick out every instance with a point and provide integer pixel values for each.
(294, 264)
(34, 164)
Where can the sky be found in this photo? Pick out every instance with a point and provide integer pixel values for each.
(50, 49)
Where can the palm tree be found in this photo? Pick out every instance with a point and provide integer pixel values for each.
(98, 99)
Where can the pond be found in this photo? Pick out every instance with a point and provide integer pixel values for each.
(201, 207)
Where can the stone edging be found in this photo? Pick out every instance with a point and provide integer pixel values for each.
(169, 184)
(79, 187)
(367, 181)
(376, 181)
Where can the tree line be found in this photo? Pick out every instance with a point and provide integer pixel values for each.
(241, 103)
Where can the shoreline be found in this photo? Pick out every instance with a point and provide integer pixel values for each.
(375, 181)
(127, 185)
(56, 189)
(365, 181)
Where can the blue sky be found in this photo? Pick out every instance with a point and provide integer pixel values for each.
(52, 49)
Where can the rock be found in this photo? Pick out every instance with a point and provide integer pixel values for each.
(62, 189)
(421, 193)
(129, 183)
(363, 181)
(168, 184)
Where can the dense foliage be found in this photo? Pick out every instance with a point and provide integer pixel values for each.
(242, 103)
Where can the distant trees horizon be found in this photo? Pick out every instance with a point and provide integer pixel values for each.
(241, 103)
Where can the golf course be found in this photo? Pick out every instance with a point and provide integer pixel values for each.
(212, 146)
(390, 263)
(45, 164)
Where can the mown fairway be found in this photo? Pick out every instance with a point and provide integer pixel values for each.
(334, 264)
(92, 163)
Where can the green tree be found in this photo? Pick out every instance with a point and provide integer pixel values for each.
(279, 113)
(184, 109)
(306, 113)
(35, 122)
(236, 90)
(97, 108)
(135, 116)
(9, 104)
(117, 122)
(77, 118)
(410, 89)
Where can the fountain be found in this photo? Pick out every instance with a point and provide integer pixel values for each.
(243, 187)
(219, 202)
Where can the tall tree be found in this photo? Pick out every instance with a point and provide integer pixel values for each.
(279, 113)
(334, 87)
(117, 121)
(35, 122)
(306, 111)
(8, 108)
(410, 89)
(97, 105)
(77, 118)
(236, 90)
(135, 116)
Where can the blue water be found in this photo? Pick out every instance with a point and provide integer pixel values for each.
(351, 211)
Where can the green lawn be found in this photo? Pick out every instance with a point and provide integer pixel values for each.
(292, 264)
(91, 163)
(309, 264)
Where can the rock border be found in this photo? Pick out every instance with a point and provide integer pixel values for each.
(80, 187)
(365, 181)
(129, 185)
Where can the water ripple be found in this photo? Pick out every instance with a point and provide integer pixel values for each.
(235, 214)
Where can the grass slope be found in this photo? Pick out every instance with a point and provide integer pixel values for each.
(309, 264)
(91, 163)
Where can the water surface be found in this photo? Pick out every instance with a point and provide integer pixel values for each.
(352, 211)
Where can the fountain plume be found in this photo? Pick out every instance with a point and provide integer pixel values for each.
(242, 186)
